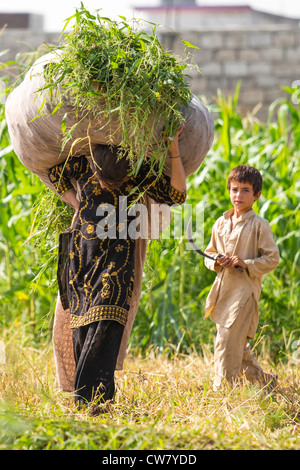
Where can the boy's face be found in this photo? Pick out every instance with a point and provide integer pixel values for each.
(242, 196)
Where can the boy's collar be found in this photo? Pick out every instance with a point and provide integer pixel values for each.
(245, 216)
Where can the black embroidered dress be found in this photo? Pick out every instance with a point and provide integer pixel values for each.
(96, 273)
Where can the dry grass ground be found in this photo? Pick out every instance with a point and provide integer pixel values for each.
(160, 404)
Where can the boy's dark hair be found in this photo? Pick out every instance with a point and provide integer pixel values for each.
(111, 166)
(246, 174)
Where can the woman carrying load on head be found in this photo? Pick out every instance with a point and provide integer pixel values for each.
(96, 260)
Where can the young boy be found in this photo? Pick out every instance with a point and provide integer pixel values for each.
(248, 251)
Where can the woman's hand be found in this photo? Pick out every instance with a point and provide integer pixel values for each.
(174, 146)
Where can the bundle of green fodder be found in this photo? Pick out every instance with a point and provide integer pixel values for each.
(107, 83)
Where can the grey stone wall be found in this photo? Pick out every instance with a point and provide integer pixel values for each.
(17, 40)
(264, 58)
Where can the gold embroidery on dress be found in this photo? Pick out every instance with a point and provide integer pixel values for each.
(101, 312)
(101, 270)
(90, 228)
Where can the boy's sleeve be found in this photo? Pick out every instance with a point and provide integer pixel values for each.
(211, 250)
(61, 175)
(268, 258)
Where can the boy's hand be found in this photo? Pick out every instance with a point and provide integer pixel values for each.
(231, 262)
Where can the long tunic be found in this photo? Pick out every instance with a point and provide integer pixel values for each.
(252, 240)
(96, 255)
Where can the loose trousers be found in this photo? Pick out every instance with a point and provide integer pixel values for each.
(233, 355)
(96, 348)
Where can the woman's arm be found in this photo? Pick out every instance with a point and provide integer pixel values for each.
(163, 189)
(71, 198)
(61, 175)
(177, 170)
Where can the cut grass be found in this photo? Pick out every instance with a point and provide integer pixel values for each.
(160, 404)
(113, 71)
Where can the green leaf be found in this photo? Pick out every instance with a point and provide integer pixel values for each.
(57, 107)
(66, 24)
(188, 44)
(64, 123)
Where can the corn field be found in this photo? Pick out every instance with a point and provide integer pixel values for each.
(170, 316)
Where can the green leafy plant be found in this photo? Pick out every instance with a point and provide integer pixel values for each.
(109, 70)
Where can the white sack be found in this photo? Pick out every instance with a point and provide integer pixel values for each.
(38, 142)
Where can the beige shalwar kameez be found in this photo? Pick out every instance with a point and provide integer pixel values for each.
(232, 301)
